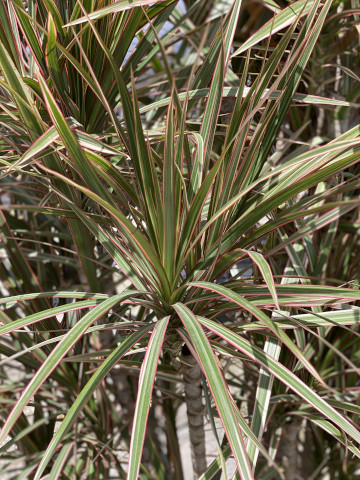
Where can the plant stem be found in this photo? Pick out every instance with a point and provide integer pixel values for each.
(195, 413)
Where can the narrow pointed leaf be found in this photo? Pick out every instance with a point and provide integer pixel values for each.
(86, 392)
(143, 401)
(218, 388)
(281, 20)
(119, 6)
(284, 375)
(260, 315)
(266, 273)
(57, 354)
(71, 143)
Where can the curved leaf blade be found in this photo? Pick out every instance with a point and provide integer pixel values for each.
(283, 19)
(260, 315)
(283, 374)
(266, 273)
(146, 383)
(119, 6)
(218, 388)
(86, 392)
(58, 353)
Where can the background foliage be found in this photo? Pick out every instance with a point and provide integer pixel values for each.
(179, 224)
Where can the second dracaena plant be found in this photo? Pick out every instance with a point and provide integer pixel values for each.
(175, 214)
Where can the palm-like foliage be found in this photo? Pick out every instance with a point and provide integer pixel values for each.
(123, 166)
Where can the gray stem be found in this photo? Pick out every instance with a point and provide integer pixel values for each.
(195, 413)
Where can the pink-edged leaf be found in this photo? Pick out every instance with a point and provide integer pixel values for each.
(86, 392)
(283, 374)
(119, 6)
(51, 312)
(282, 20)
(219, 390)
(58, 353)
(260, 315)
(143, 401)
(266, 273)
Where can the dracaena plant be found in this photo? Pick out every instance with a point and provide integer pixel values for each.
(169, 215)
